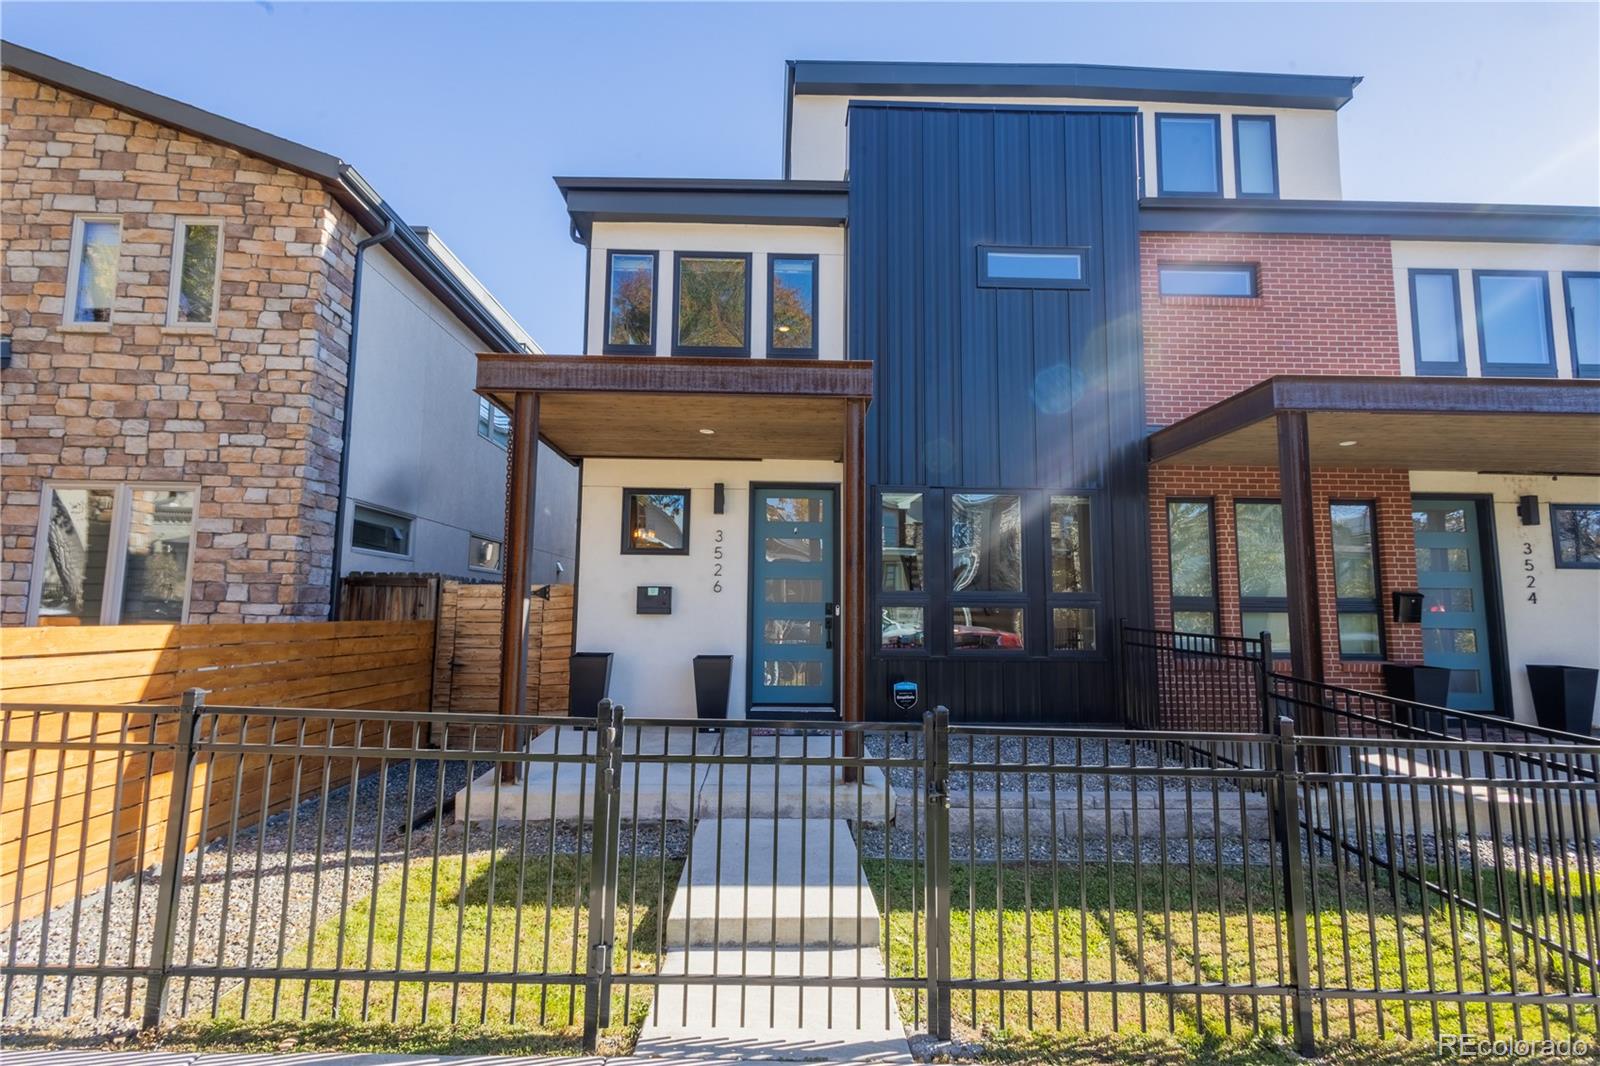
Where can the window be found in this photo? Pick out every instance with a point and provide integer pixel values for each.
(1073, 600)
(483, 553)
(1436, 322)
(792, 305)
(92, 269)
(1263, 572)
(1576, 530)
(1191, 561)
(1514, 322)
(1582, 292)
(630, 303)
(1031, 268)
(655, 521)
(986, 571)
(196, 273)
(380, 531)
(114, 554)
(1208, 279)
(1189, 155)
(986, 628)
(1255, 155)
(903, 628)
(903, 558)
(713, 304)
(1355, 580)
(494, 425)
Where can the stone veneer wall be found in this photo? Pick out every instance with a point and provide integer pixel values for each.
(250, 412)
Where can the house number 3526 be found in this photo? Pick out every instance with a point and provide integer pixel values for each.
(1528, 572)
(716, 565)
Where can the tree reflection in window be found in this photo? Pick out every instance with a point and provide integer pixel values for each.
(985, 542)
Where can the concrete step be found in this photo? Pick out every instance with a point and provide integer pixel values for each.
(736, 1022)
(730, 892)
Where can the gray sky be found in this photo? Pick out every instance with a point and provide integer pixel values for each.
(460, 114)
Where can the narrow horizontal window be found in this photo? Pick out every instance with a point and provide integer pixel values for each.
(483, 553)
(655, 521)
(1255, 155)
(1196, 279)
(630, 303)
(92, 269)
(1576, 529)
(380, 531)
(986, 628)
(1583, 322)
(792, 305)
(1514, 322)
(1031, 268)
(713, 298)
(196, 273)
(1436, 322)
(1189, 155)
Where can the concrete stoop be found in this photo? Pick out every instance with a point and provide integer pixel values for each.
(780, 897)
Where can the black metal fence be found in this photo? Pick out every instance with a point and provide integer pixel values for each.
(1177, 680)
(866, 879)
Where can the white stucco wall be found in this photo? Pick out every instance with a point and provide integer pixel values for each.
(652, 672)
(1563, 627)
(1308, 140)
(415, 448)
(665, 238)
(1464, 258)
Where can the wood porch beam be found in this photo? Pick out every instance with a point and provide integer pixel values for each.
(1299, 541)
(521, 474)
(854, 525)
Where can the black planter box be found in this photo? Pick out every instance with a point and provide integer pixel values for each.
(713, 676)
(1563, 697)
(588, 683)
(1419, 684)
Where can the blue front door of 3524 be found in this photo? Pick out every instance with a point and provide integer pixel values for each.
(794, 596)
(1455, 618)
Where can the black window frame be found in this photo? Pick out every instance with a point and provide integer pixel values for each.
(953, 600)
(987, 280)
(1518, 370)
(1264, 604)
(1194, 604)
(1572, 326)
(1352, 604)
(628, 547)
(1161, 177)
(1555, 536)
(774, 352)
(1459, 368)
(731, 352)
(606, 347)
(1238, 161)
(924, 598)
(1094, 599)
(1254, 270)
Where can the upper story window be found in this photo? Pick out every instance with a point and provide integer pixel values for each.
(1582, 292)
(1436, 322)
(1189, 155)
(494, 425)
(92, 268)
(1031, 268)
(196, 272)
(630, 303)
(1208, 279)
(118, 554)
(713, 304)
(1255, 155)
(792, 305)
(1514, 335)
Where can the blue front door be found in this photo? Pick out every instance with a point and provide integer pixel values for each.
(794, 596)
(1455, 618)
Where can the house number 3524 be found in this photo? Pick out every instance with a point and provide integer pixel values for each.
(716, 564)
(1528, 573)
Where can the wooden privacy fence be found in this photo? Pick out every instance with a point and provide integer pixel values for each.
(466, 664)
(95, 803)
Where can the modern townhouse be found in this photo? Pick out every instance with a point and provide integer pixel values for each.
(1013, 353)
(186, 300)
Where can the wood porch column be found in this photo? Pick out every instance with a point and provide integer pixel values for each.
(853, 678)
(1299, 542)
(521, 473)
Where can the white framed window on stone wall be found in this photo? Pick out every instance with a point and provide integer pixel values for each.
(196, 283)
(91, 295)
(110, 554)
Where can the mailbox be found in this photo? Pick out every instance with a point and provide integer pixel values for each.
(654, 599)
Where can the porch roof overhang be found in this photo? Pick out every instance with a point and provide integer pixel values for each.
(658, 407)
(1510, 426)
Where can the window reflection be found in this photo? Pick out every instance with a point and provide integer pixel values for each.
(1071, 568)
(900, 519)
(986, 629)
(985, 542)
(902, 627)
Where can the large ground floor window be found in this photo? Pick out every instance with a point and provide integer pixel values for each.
(109, 554)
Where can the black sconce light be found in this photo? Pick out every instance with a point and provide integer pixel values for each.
(1528, 510)
(719, 498)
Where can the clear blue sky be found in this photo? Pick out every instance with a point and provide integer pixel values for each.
(460, 114)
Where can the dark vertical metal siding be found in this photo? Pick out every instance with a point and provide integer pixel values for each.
(981, 388)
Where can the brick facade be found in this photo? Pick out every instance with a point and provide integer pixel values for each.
(250, 412)
(1326, 306)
